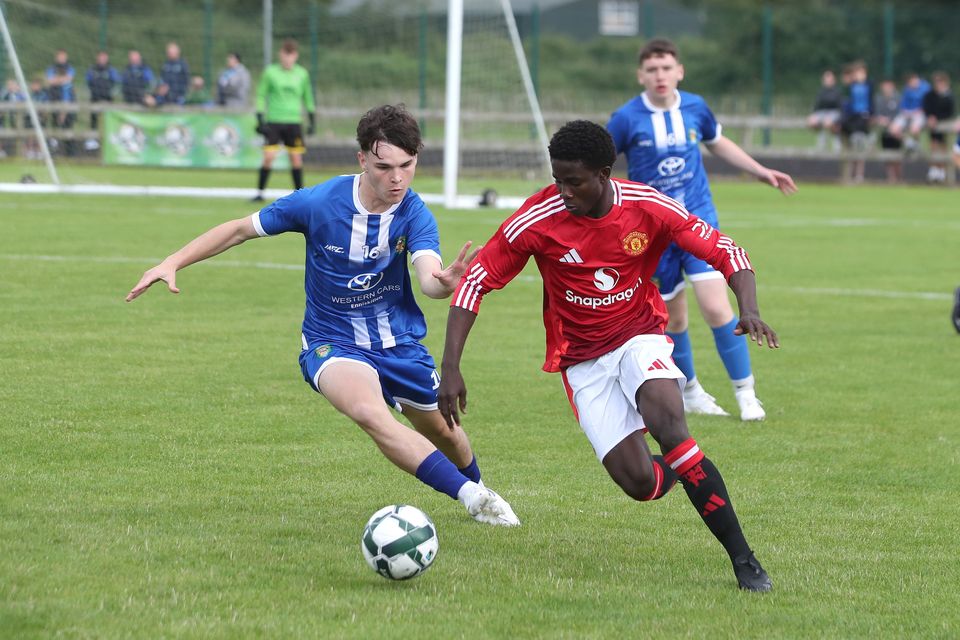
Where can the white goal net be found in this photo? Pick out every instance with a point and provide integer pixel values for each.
(359, 55)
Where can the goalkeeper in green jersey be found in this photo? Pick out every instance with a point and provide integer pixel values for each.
(283, 91)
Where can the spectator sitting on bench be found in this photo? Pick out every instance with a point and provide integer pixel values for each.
(886, 108)
(825, 118)
(857, 112)
(938, 106)
(910, 120)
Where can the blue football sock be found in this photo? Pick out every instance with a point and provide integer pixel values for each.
(733, 350)
(437, 471)
(683, 354)
(472, 470)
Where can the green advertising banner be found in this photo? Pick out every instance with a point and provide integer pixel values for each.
(184, 140)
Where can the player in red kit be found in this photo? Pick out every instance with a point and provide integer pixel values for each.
(596, 241)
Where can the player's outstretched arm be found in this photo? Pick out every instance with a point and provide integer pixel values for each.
(436, 282)
(216, 240)
(452, 394)
(744, 285)
(729, 151)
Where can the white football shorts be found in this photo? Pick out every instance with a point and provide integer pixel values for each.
(603, 391)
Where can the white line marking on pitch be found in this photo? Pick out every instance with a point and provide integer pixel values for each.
(240, 264)
(148, 261)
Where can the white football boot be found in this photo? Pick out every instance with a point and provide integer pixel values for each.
(487, 506)
(697, 401)
(507, 518)
(750, 407)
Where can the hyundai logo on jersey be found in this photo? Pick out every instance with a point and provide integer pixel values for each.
(671, 166)
(364, 281)
(606, 278)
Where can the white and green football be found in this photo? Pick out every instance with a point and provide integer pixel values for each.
(400, 542)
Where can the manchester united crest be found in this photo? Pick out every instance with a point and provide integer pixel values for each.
(635, 243)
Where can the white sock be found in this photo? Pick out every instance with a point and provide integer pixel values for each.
(468, 491)
(744, 383)
(692, 386)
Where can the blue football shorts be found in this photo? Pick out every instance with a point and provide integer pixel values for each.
(675, 263)
(408, 375)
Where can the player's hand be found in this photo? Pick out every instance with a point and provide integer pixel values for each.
(779, 180)
(452, 396)
(450, 276)
(162, 271)
(261, 127)
(751, 325)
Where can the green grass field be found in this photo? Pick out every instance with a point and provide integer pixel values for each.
(165, 472)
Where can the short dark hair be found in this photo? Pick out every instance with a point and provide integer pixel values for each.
(658, 47)
(583, 141)
(289, 46)
(392, 124)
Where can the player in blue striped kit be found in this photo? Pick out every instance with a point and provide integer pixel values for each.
(362, 327)
(660, 132)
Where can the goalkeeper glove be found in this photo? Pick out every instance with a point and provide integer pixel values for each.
(261, 127)
(312, 123)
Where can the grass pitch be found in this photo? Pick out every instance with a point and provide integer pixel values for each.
(165, 472)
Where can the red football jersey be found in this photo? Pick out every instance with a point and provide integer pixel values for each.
(597, 289)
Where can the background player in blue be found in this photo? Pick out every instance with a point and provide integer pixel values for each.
(362, 327)
(660, 132)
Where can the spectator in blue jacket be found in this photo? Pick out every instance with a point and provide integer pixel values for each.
(137, 79)
(911, 118)
(175, 74)
(60, 87)
(102, 79)
(857, 114)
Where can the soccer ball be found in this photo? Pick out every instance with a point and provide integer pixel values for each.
(399, 542)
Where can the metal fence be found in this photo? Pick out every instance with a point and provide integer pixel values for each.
(746, 57)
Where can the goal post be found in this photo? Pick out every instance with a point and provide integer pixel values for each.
(527, 79)
(453, 151)
(459, 66)
(31, 108)
(451, 129)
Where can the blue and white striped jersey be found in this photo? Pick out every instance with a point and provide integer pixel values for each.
(357, 284)
(663, 148)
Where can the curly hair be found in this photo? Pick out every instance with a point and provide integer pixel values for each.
(583, 141)
(391, 124)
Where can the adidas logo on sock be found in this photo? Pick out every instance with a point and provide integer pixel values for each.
(714, 503)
